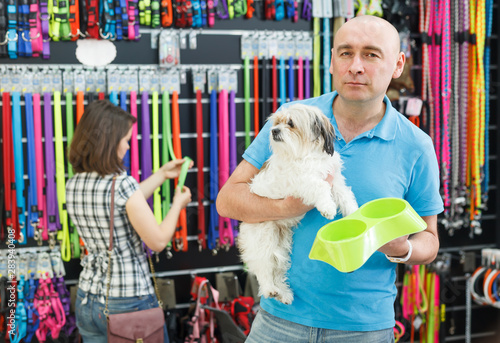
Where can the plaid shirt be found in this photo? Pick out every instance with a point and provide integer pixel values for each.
(88, 202)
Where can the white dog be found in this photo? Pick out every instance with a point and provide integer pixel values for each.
(301, 139)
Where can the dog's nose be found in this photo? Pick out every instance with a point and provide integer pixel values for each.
(276, 134)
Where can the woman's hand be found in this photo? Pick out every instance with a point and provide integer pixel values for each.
(182, 197)
(172, 169)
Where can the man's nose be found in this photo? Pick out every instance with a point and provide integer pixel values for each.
(357, 66)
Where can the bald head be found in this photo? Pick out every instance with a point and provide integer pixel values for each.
(374, 29)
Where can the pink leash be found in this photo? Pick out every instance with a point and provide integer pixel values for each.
(226, 238)
(40, 180)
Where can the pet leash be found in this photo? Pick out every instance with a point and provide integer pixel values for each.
(23, 40)
(82, 10)
(146, 163)
(80, 98)
(44, 25)
(35, 31)
(300, 78)
(17, 136)
(156, 154)
(282, 81)
(200, 162)
(113, 98)
(307, 86)
(291, 79)
(232, 146)
(166, 13)
(464, 96)
(428, 120)
(225, 226)
(70, 127)
(180, 241)
(166, 149)
(134, 144)
(487, 80)
(12, 36)
(33, 221)
(74, 19)
(63, 235)
(256, 124)
(213, 226)
(316, 58)
(327, 78)
(246, 91)
(132, 19)
(435, 78)
(4, 39)
(41, 231)
(263, 90)
(450, 218)
(10, 203)
(50, 188)
(119, 10)
(446, 84)
(274, 78)
(92, 19)
(123, 105)
(210, 13)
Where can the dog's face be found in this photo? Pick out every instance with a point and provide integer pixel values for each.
(301, 129)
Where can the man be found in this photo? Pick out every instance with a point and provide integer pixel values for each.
(384, 156)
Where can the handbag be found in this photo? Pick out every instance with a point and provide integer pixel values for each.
(144, 326)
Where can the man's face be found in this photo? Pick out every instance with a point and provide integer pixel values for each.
(364, 60)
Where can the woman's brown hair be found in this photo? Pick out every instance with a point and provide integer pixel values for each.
(94, 147)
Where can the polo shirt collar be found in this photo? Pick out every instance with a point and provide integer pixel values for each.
(385, 129)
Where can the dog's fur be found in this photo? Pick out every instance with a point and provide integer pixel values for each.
(301, 139)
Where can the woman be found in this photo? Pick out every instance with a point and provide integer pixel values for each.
(96, 153)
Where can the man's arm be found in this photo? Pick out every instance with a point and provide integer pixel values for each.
(425, 244)
(236, 201)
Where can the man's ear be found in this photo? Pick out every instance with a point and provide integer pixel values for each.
(400, 64)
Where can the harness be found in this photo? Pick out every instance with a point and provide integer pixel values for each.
(50, 310)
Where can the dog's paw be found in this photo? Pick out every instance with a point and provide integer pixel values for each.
(285, 296)
(270, 291)
(329, 212)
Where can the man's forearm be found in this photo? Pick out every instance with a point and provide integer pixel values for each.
(425, 248)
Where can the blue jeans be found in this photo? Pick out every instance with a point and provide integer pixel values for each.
(90, 318)
(270, 329)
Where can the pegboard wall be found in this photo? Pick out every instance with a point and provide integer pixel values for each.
(219, 48)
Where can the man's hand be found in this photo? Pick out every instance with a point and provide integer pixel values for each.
(396, 248)
(294, 207)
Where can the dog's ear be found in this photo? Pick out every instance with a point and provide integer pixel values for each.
(322, 127)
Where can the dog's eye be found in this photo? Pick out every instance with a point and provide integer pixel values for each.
(290, 123)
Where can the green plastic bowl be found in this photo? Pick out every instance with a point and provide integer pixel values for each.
(348, 243)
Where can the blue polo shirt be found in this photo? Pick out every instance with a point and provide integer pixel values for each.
(394, 159)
